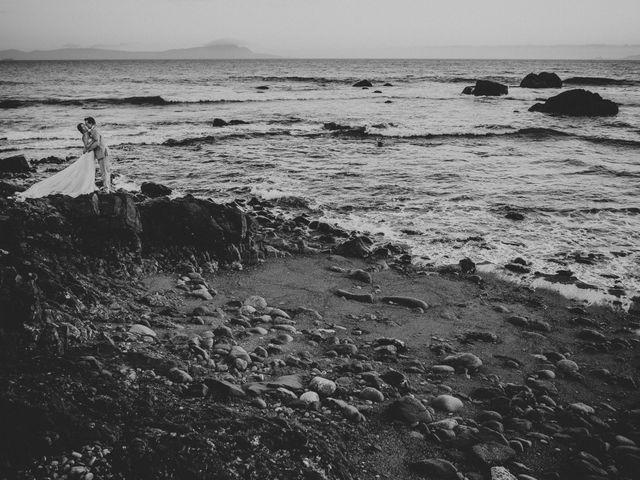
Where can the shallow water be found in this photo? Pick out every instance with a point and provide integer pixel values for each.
(450, 166)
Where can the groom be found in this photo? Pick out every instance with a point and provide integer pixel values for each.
(100, 150)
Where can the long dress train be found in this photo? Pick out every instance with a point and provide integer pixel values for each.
(77, 179)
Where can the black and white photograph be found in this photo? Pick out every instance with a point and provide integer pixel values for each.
(319, 240)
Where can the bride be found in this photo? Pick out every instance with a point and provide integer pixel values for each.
(77, 179)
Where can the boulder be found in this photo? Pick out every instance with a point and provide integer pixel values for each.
(218, 122)
(541, 80)
(153, 190)
(190, 222)
(493, 453)
(486, 88)
(363, 83)
(408, 410)
(356, 247)
(577, 103)
(14, 164)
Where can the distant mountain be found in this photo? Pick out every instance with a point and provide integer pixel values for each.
(212, 51)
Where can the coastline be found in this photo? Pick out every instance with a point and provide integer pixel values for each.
(243, 314)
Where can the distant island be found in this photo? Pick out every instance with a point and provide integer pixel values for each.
(212, 51)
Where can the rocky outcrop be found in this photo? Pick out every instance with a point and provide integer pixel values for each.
(153, 190)
(14, 164)
(221, 230)
(579, 103)
(58, 254)
(486, 88)
(541, 80)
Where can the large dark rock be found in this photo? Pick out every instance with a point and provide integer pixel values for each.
(486, 88)
(8, 189)
(222, 230)
(541, 80)
(15, 164)
(153, 190)
(363, 83)
(580, 103)
(218, 122)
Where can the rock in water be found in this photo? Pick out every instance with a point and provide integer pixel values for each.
(577, 103)
(541, 80)
(218, 122)
(363, 83)
(447, 403)
(493, 453)
(15, 164)
(153, 190)
(486, 88)
(408, 410)
(435, 468)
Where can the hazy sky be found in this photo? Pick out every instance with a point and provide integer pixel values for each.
(299, 27)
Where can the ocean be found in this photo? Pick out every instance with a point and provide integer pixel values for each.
(420, 164)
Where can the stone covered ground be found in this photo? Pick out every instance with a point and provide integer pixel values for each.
(157, 338)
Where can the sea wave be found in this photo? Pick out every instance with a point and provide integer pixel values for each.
(151, 100)
(599, 81)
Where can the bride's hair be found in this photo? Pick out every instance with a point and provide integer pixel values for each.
(81, 128)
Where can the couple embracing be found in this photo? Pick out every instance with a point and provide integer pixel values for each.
(79, 177)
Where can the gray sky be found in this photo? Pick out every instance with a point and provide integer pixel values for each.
(315, 27)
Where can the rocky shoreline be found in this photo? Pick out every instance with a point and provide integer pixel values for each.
(180, 338)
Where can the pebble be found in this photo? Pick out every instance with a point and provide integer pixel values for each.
(501, 473)
(443, 369)
(323, 386)
(256, 302)
(371, 394)
(407, 302)
(408, 410)
(463, 360)
(310, 397)
(493, 453)
(567, 366)
(142, 330)
(436, 468)
(447, 403)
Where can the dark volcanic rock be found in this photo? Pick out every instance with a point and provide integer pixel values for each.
(7, 189)
(486, 88)
(541, 80)
(493, 453)
(153, 190)
(357, 247)
(579, 103)
(363, 83)
(15, 164)
(218, 122)
(191, 222)
(408, 410)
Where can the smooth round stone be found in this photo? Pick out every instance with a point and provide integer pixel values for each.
(258, 331)
(371, 394)
(256, 302)
(310, 397)
(179, 376)
(567, 366)
(142, 330)
(463, 360)
(284, 338)
(621, 440)
(322, 386)
(239, 352)
(443, 369)
(582, 408)
(447, 403)
(247, 310)
(546, 374)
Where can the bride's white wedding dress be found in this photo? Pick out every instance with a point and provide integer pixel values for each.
(77, 179)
